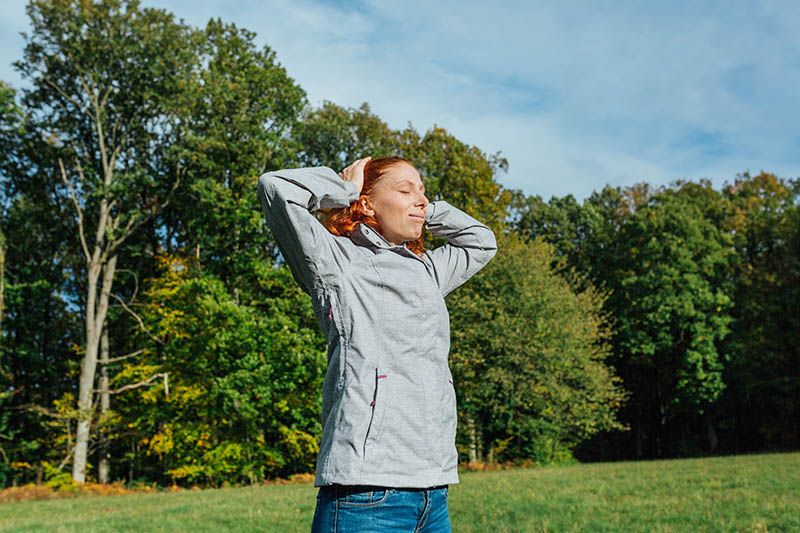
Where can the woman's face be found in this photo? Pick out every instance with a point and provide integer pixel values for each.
(398, 203)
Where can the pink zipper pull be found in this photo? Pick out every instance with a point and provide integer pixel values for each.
(330, 312)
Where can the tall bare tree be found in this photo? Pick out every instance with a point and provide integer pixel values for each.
(106, 84)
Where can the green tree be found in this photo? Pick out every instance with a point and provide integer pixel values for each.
(106, 78)
(240, 109)
(37, 322)
(334, 136)
(136, 113)
(672, 307)
(763, 400)
(528, 359)
(459, 173)
(239, 400)
(666, 265)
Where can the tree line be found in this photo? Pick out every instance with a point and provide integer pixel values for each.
(151, 332)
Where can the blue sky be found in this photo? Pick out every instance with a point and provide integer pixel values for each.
(575, 94)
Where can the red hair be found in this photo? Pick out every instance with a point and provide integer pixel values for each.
(344, 220)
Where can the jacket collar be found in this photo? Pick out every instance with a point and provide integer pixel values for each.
(365, 235)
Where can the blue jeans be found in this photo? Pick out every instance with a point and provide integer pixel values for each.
(364, 509)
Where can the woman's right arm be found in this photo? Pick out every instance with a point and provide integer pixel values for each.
(288, 199)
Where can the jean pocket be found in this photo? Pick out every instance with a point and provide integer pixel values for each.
(367, 498)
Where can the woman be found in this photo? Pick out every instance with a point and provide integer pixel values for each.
(387, 453)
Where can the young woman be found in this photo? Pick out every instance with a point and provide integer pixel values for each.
(388, 451)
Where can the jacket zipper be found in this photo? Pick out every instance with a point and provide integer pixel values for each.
(378, 377)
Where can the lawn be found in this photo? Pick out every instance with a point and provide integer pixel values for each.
(741, 493)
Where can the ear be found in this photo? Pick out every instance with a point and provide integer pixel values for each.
(366, 206)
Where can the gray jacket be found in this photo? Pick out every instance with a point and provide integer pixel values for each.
(388, 400)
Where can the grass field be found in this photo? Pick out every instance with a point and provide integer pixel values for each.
(742, 493)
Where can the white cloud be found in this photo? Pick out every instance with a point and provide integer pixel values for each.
(574, 94)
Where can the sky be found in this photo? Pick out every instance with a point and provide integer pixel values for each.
(576, 95)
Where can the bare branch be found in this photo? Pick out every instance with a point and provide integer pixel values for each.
(77, 208)
(126, 356)
(143, 383)
(138, 319)
(135, 281)
(65, 95)
(108, 169)
(107, 92)
(134, 223)
(114, 130)
(38, 409)
(114, 155)
(96, 257)
(68, 456)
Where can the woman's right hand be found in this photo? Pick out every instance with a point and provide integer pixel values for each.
(355, 172)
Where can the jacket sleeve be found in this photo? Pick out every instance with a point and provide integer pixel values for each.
(470, 245)
(288, 199)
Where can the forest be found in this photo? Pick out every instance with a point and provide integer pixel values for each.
(151, 333)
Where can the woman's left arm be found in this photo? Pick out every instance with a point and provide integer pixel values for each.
(470, 244)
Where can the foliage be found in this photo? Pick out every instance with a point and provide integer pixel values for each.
(763, 217)
(528, 358)
(38, 326)
(334, 136)
(701, 286)
(239, 110)
(451, 169)
(127, 206)
(460, 173)
(239, 401)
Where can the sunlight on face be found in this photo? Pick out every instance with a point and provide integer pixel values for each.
(398, 203)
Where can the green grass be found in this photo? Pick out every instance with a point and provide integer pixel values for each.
(743, 493)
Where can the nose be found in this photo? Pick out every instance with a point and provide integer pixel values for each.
(422, 201)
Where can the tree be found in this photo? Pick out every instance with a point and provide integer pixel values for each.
(157, 132)
(240, 113)
(334, 136)
(38, 324)
(459, 173)
(762, 215)
(106, 83)
(666, 265)
(528, 358)
(672, 307)
(242, 400)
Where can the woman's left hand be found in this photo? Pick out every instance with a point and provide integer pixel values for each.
(355, 172)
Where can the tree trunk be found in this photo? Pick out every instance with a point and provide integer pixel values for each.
(96, 308)
(473, 440)
(2, 278)
(103, 466)
(638, 437)
(713, 442)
